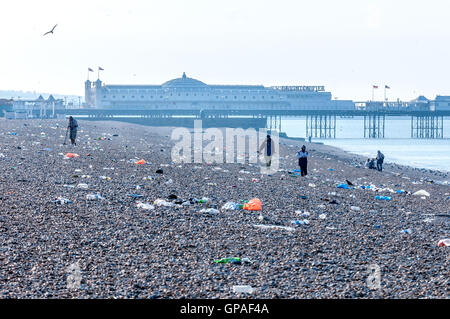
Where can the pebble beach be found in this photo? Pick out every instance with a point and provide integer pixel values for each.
(132, 232)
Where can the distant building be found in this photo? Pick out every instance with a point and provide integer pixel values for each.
(188, 93)
(5, 106)
(442, 103)
(41, 105)
(421, 103)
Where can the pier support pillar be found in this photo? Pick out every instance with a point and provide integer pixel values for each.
(427, 126)
(321, 126)
(374, 125)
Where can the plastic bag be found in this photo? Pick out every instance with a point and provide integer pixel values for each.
(72, 155)
(254, 204)
(230, 206)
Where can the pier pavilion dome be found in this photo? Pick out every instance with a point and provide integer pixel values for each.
(183, 82)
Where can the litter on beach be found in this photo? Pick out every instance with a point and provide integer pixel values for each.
(421, 193)
(275, 227)
(444, 242)
(243, 289)
(254, 204)
(145, 206)
(94, 197)
(71, 155)
(300, 222)
(383, 198)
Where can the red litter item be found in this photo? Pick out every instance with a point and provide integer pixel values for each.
(253, 204)
(444, 242)
(140, 162)
(72, 155)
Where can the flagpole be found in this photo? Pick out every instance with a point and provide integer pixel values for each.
(384, 92)
(373, 92)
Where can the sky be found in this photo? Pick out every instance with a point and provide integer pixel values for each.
(346, 45)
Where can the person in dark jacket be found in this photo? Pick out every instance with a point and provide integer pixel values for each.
(303, 161)
(72, 127)
(380, 160)
(269, 149)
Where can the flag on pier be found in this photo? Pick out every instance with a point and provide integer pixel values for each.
(387, 87)
(90, 70)
(375, 86)
(101, 69)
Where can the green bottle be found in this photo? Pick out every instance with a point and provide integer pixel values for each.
(234, 260)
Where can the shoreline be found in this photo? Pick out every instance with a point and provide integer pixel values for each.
(387, 162)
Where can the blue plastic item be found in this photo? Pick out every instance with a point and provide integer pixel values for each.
(383, 197)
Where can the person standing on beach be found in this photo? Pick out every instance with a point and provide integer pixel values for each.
(73, 127)
(269, 148)
(380, 160)
(303, 160)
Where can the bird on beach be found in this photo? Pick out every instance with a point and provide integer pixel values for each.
(51, 31)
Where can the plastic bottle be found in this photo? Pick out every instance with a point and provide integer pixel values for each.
(232, 260)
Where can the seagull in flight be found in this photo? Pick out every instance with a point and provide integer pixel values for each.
(51, 31)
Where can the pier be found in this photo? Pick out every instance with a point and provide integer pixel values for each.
(319, 124)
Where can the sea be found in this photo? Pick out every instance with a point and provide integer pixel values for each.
(397, 146)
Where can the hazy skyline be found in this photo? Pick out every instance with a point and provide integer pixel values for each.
(347, 46)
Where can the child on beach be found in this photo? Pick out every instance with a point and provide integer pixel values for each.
(370, 164)
(303, 160)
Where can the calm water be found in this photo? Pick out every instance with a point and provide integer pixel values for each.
(397, 145)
